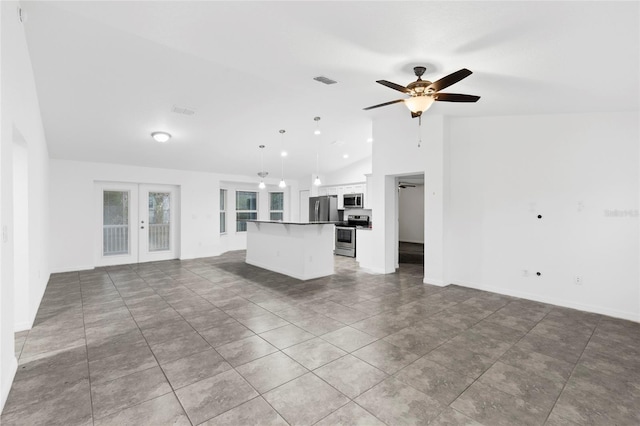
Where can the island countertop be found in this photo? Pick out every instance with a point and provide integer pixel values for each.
(304, 252)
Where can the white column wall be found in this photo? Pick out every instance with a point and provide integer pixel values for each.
(20, 122)
(396, 153)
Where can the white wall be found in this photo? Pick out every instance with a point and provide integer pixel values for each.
(411, 214)
(574, 170)
(74, 213)
(20, 123)
(396, 153)
(353, 173)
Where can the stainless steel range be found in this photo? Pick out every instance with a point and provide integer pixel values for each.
(346, 234)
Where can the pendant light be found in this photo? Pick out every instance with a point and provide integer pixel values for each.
(282, 183)
(262, 173)
(317, 132)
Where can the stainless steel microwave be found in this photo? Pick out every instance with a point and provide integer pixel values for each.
(353, 201)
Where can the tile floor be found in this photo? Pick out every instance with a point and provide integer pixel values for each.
(217, 342)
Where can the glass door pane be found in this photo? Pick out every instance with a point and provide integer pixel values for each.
(159, 221)
(115, 223)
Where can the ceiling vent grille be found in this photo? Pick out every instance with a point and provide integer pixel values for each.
(182, 110)
(324, 80)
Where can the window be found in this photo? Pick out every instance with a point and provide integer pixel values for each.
(246, 209)
(276, 206)
(223, 211)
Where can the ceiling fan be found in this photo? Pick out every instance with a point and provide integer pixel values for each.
(423, 92)
(404, 185)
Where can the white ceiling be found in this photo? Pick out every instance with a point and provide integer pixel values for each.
(108, 73)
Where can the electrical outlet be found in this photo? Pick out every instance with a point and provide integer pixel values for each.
(578, 280)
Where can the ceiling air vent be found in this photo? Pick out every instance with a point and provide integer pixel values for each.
(324, 80)
(182, 110)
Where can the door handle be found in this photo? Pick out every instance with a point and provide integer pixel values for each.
(142, 227)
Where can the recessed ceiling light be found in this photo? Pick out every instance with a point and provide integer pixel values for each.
(345, 156)
(161, 136)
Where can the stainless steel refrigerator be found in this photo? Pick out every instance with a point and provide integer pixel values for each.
(323, 209)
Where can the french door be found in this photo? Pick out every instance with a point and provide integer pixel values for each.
(137, 223)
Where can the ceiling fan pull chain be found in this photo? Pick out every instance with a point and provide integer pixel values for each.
(419, 131)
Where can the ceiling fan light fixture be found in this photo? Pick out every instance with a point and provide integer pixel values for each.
(282, 184)
(262, 185)
(317, 181)
(161, 137)
(419, 104)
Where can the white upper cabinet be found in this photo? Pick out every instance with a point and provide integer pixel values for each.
(340, 190)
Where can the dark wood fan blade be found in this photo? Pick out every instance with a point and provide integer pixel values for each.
(393, 86)
(455, 97)
(384, 104)
(447, 81)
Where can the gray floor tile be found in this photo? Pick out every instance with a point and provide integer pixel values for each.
(397, 403)
(188, 344)
(319, 324)
(539, 364)
(579, 405)
(415, 339)
(385, 356)
(245, 350)
(163, 410)
(118, 394)
(350, 375)
(314, 353)
(461, 360)
(305, 400)
(70, 406)
(137, 359)
(167, 331)
(263, 323)
(440, 383)
(194, 368)
(211, 397)
(451, 417)
(348, 339)
(271, 371)
(226, 333)
(255, 412)
(531, 388)
(114, 345)
(286, 336)
(493, 407)
(465, 333)
(350, 415)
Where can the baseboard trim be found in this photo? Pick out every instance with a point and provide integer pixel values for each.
(434, 281)
(7, 382)
(23, 326)
(72, 269)
(631, 316)
(284, 271)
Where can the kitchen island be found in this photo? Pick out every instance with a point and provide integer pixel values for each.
(302, 250)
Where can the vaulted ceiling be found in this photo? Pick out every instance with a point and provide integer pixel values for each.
(109, 73)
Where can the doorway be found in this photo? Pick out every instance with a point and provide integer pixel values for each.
(23, 317)
(137, 223)
(411, 219)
